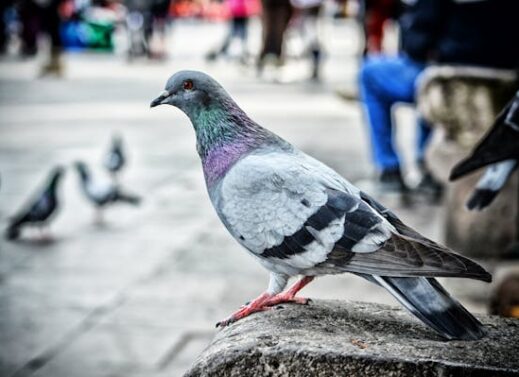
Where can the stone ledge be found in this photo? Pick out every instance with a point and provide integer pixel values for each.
(340, 338)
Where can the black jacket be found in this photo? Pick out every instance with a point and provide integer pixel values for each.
(472, 32)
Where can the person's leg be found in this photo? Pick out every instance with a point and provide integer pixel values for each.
(51, 25)
(423, 136)
(429, 185)
(241, 33)
(314, 46)
(231, 34)
(30, 17)
(3, 32)
(383, 82)
(267, 15)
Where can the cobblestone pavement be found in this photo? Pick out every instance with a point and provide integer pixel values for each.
(140, 295)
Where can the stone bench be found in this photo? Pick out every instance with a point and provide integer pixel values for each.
(340, 338)
(462, 103)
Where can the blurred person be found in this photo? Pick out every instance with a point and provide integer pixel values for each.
(240, 11)
(374, 15)
(432, 31)
(309, 11)
(160, 18)
(29, 13)
(146, 18)
(139, 24)
(275, 17)
(4, 6)
(37, 17)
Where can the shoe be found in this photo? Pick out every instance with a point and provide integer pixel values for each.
(391, 181)
(54, 67)
(429, 187)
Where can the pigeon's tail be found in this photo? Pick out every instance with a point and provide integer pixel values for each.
(427, 300)
(13, 231)
(127, 198)
(490, 184)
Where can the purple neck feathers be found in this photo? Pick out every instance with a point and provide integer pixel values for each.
(221, 158)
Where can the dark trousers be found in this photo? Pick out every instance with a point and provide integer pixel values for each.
(276, 15)
(36, 19)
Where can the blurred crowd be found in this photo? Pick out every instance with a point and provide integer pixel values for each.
(430, 32)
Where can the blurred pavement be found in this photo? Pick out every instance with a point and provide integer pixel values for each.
(140, 295)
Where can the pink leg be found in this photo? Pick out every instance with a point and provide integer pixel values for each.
(289, 296)
(266, 300)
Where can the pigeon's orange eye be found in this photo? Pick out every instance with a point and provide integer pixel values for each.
(188, 85)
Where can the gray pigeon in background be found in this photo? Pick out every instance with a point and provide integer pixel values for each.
(39, 211)
(102, 193)
(499, 150)
(115, 159)
(297, 216)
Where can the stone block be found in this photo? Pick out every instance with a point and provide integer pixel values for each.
(340, 338)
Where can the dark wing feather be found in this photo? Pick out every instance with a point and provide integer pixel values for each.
(411, 254)
(500, 143)
(404, 257)
(359, 222)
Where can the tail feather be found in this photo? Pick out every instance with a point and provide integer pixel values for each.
(432, 304)
(127, 198)
(12, 232)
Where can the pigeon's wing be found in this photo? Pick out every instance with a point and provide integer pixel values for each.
(500, 143)
(408, 253)
(292, 210)
(37, 209)
(298, 215)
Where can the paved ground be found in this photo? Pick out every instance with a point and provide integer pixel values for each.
(140, 295)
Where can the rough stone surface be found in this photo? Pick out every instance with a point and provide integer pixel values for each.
(340, 338)
(462, 103)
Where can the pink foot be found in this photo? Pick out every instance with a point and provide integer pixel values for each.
(266, 300)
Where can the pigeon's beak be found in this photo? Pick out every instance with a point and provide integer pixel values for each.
(160, 100)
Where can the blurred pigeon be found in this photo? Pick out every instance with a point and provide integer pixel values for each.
(297, 216)
(40, 210)
(490, 183)
(102, 193)
(499, 148)
(115, 160)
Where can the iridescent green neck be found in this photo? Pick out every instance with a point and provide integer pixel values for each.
(224, 134)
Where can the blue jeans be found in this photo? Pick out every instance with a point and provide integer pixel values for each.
(385, 81)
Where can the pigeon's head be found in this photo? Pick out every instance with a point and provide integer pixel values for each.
(55, 175)
(191, 91)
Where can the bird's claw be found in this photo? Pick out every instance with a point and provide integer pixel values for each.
(225, 322)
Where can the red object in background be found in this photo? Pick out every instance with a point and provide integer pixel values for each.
(212, 10)
(67, 9)
(376, 14)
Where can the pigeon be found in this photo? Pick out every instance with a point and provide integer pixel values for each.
(40, 210)
(102, 193)
(499, 150)
(115, 160)
(298, 217)
(490, 183)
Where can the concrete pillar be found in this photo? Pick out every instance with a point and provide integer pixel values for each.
(339, 338)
